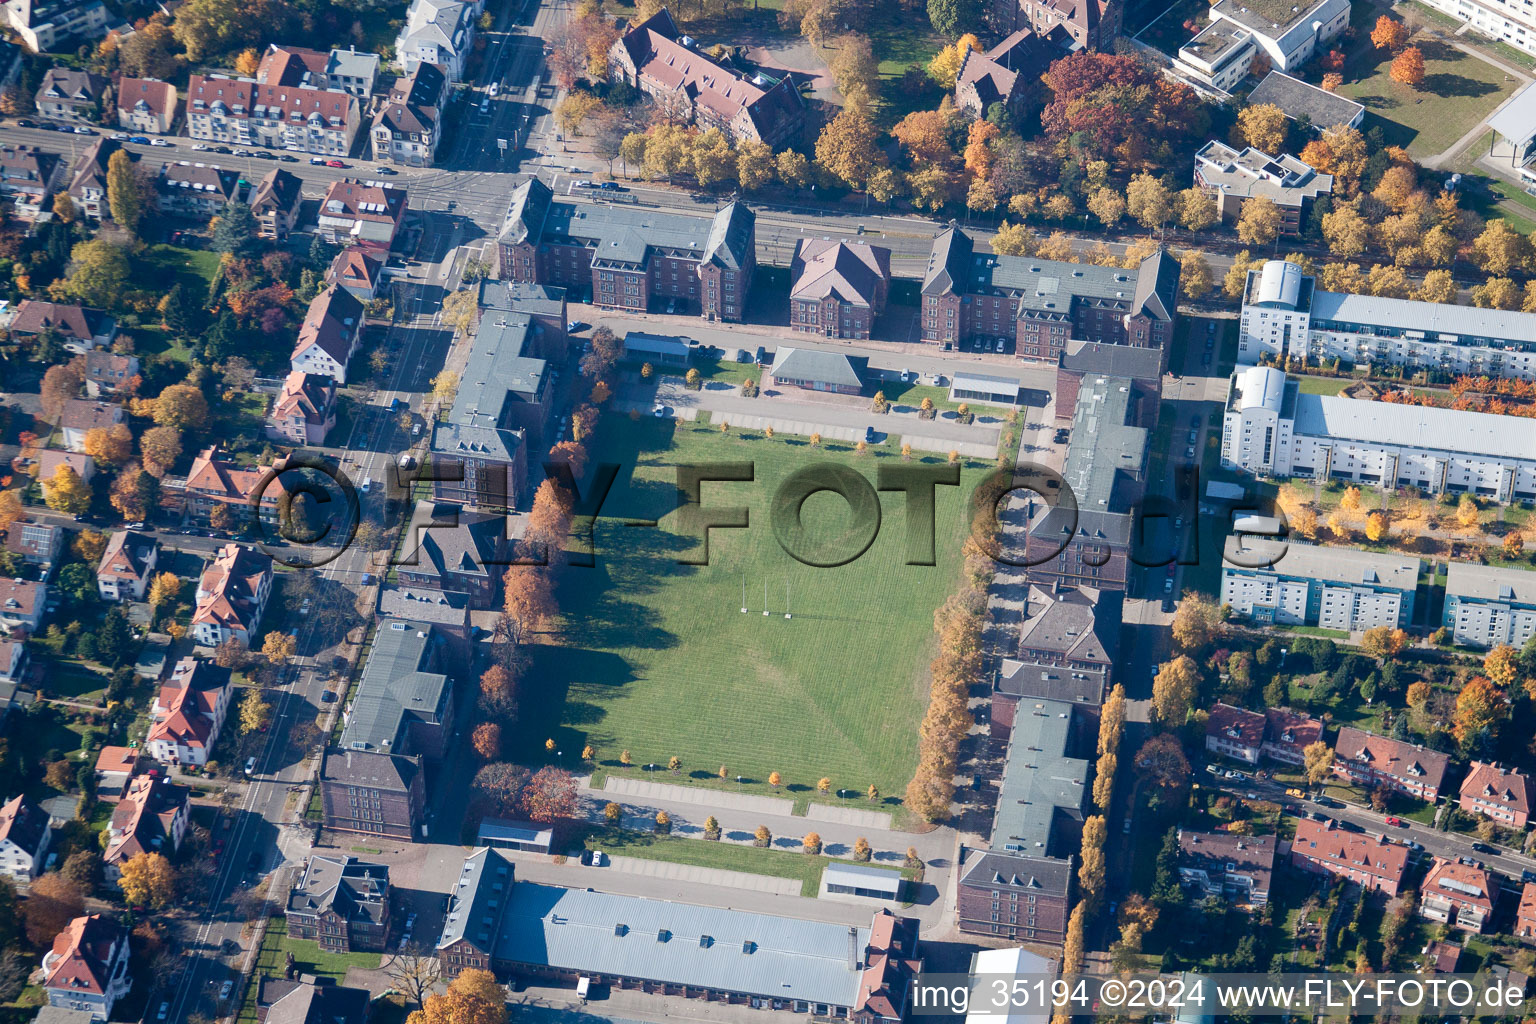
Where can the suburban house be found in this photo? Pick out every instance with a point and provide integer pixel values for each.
(127, 566)
(1232, 177)
(631, 259)
(1007, 74)
(214, 481)
(1069, 638)
(14, 663)
(837, 288)
(29, 176)
(342, 903)
(197, 191)
(25, 830)
(1442, 957)
(151, 817)
(1231, 867)
(1322, 847)
(188, 713)
(301, 1001)
(78, 328)
(115, 768)
(409, 125)
(275, 203)
(49, 460)
(74, 96)
(88, 178)
(1235, 732)
(44, 24)
(440, 32)
(231, 596)
(81, 416)
(330, 336)
(35, 543)
(1496, 792)
(815, 370)
(106, 372)
(87, 968)
(1525, 915)
(1287, 735)
(146, 105)
(305, 410)
(1376, 762)
(458, 550)
(273, 110)
(358, 271)
(1459, 893)
(22, 603)
(672, 69)
(369, 214)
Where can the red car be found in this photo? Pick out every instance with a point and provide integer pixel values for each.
(1397, 822)
(334, 163)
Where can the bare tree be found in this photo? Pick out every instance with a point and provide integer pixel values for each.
(414, 970)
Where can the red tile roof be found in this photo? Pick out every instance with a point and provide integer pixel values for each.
(1502, 786)
(81, 959)
(1236, 725)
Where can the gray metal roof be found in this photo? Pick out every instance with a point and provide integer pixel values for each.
(1040, 781)
(1490, 583)
(374, 771)
(423, 604)
(478, 900)
(522, 296)
(356, 890)
(682, 944)
(1416, 426)
(1087, 357)
(1300, 99)
(1349, 566)
(985, 382)
(1516, 120)
(1430, 318)
(516, 831)
(862, 875)
(1005, 870)
(1104, 464)
(641, 341)
(396, 687)
(446, 540)
(816, 365)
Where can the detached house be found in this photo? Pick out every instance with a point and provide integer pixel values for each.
(151, 817)
(80, 329)
(106, 372)
(88, 178)
(127, 566)
(188, 713)
(1498, 793)
(1233, 867)
(28, 176)
(1459, 893)
(215, 481)
(305, 410)
(342, 903)
(330, 336)
(355, 212)
(275, 204)
(358, 271)
(74, 96)
(25, 831)
(81, 416)
(440, 32)
(87, 968)
(22, 603)
(196, 190)
(146, 105)
(231, 596)
(1378, 762)
(1235, 733)
(1370, 862)
(36, 543)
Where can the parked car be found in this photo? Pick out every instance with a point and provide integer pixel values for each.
(869, 435)
(1327, 801)
(83, 130)
(582, 184)
(225, 990)
(141, 140)
(250, 766)
(317, 161)
(1485, 848)
(385, 169)
(167, 142)
(611, 186)
(576, 327)
(335, 163)
(287, 158)
(1396, 822)
(328, 696)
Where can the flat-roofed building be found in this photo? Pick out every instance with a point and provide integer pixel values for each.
(1305, 103)
(1241, 32)
(1232, 177)
(1487, 605)
(1287, 583)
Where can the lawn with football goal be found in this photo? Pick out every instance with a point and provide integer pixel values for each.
(658, 658)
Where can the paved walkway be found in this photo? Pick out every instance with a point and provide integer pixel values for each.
(715, 799)
(695, 875)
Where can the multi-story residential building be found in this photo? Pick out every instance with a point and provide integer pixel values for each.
(1069, 638)
(456, 550)
(351, 70)
(1289, 583)
(127, 565)
(1458, 893)
(28, 177)
(1270, 32)
(275, 204)
(1377, 762)
(1037, 305)
(330, 335)
(305, 410)
(22, 604)
(1305, 102)
(146, 105)
(1231, 867)
(82, 415)
(151, 817)
(671, 68)
(25, 831)
(624, 257)
(1084, 539)
(440, 32)
(232, 596)
(1003, 74)
(1371, 862)
(1067, 24)
(1486, 605)
(1286, 314)
(1235, 732)
(1496, 792)
(35, 543)
(88, 178)
(342, 903)
(78, 328)
(195, 190)
(107, 372)
(357, 270)
(76, 97)
(215, 481)
(1232, 177)
(1525, 916)
(1287, 735)
(1271, 429)
(355, 212)
(188, 714)
(1504, 20)
(245, 112)
(544, 303)
(383, 794)
(837, 288)
(409, 125)
(87, 968)
(42, 26)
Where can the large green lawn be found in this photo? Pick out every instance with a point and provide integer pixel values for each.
(1458, 91)
(658, 659)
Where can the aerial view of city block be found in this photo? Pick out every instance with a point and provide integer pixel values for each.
(569, 511)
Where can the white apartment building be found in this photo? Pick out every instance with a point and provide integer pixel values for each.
(1288, 583)
(1288, 34)
(1513, 21)
(1271, 429)
(1285, 314)
(1486, 606)
(440, 32)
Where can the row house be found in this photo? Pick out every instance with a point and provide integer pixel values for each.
(127, 565)
(369, 214)
(232, 595)
(351, 71)
(87, 967)
(409, 125)
(28, 177)
(341, 903)
(243, 112)
(1377, 762)
(79, 328)
(1525, 915)
(151, 817)
(1321, 847)
(115, 768)
(25, 832)
(1459, 892)
(1235, 732)
(628, 258)
(196, 190)
(330, 335)
(14, 664)
(1037, 304)
(188, 714)
(76, 97)
(1231, 867)
(275, 204)
(1496, 792)
(1287, 735)
(215, 481)
(82, 415)
(305, 410)
(837, 288)
(146, 106)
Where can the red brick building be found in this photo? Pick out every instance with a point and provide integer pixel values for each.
(838, 288)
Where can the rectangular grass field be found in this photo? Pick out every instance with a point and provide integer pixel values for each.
(658, 658)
